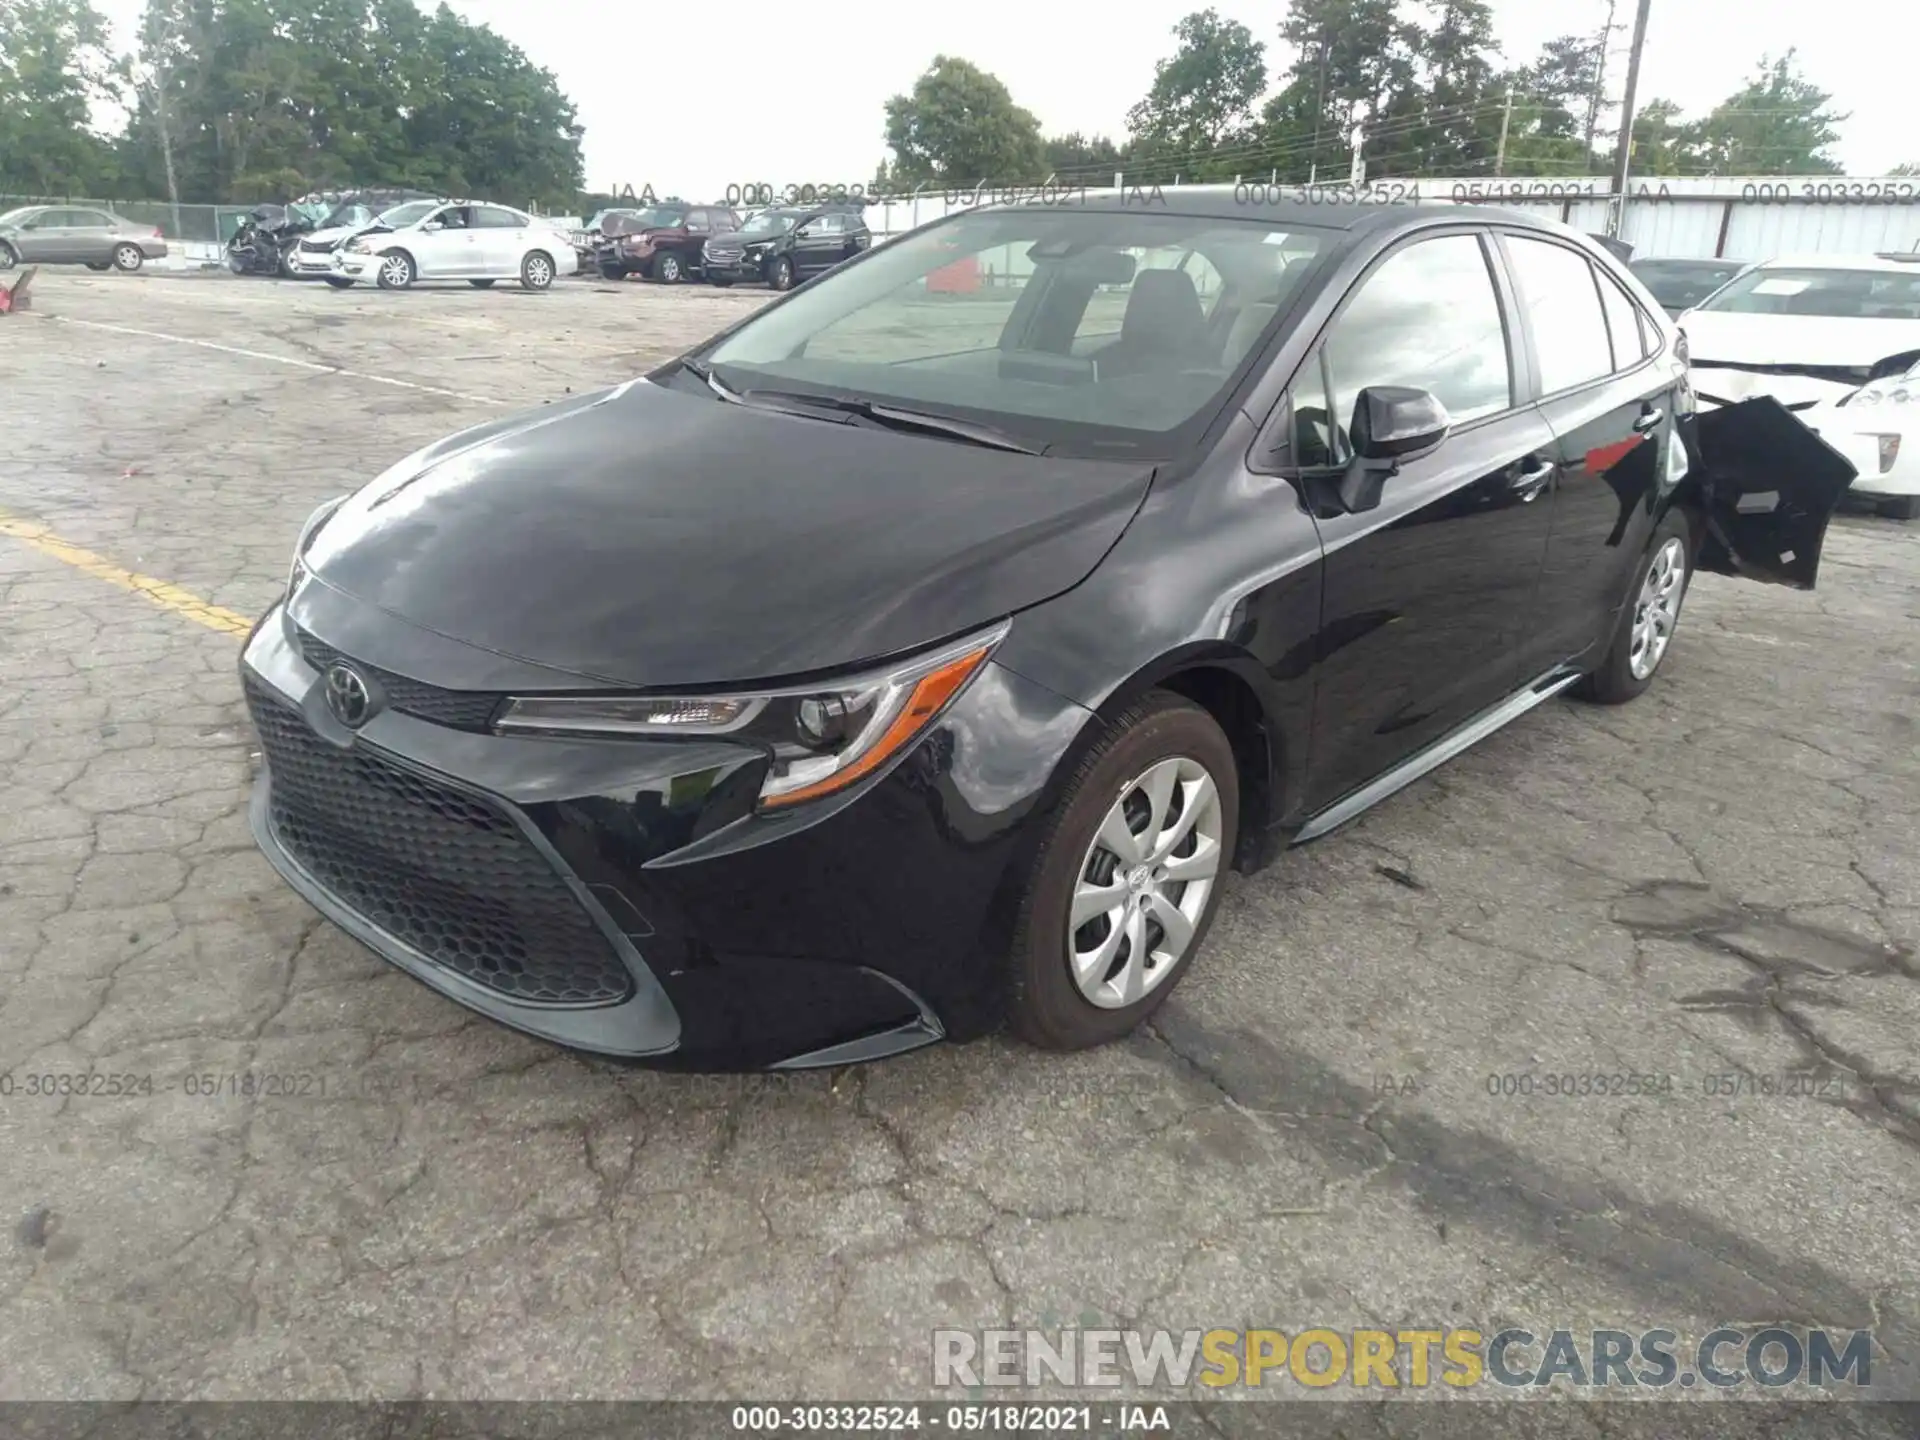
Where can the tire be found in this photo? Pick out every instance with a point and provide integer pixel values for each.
(236, 262)
(128, 258)
(481, 284)
(612, 272)
(1901, 507)
(537, 271)
(9, 257)
(99, 265)
(338, 282)
(720, 284)
(1626, 672)
(1047, 1005)
(780, 273)
(397, 270)
(668, 269)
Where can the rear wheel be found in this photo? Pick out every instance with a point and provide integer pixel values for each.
(1901, 507)
(668, 270)
(481, 284)
(1649, 618)
(1128, 876)
(396, 270)
(128, 258)
(99, 265)
(9, 257)
(536, 271)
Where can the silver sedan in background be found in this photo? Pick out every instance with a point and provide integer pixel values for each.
(76, 235)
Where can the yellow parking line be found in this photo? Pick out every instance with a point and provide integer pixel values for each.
(167, 597)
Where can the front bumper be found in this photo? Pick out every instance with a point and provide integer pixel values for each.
(740, 271)
(871, 925)
(311, 262)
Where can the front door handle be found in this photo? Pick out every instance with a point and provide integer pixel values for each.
(1649, 418)
(1532, 477)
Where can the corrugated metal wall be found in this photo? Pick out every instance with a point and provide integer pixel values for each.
(1740, 217)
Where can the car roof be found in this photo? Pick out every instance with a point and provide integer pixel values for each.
(1356, 217)
(1704, 262)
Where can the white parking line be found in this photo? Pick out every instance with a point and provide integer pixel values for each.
(312, 365)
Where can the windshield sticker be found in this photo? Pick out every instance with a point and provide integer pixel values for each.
(1781, 287)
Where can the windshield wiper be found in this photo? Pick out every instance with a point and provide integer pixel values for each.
(894, 417)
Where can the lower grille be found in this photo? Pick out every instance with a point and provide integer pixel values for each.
(460, 709)
(447, 873)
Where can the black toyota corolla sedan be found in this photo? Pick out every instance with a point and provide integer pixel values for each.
(922, 652)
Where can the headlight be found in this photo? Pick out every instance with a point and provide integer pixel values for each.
(820, 738)
(298, 570)
(358, 247)
(1884, 393)
(1889, 451)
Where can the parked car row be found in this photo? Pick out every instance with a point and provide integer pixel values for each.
(674, 240)
(1834, 338)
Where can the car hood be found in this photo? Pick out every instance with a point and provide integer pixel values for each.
(647, 537)
(1796, 359)
(333, 234)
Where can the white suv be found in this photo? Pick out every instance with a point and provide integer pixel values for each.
(455, 240)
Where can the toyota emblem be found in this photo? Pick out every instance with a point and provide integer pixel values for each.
(347, 696)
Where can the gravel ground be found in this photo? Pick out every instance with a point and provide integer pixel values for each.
(1719, 879)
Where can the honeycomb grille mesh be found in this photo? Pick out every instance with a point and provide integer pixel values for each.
(445, 872)
(458, 709)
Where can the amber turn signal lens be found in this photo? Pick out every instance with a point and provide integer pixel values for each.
(927, 698)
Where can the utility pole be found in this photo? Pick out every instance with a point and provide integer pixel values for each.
(1623, 153)
(1506, 120)
(1597, 97)
(158, 77)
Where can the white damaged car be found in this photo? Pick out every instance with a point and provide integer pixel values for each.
(455, 240)
(1835, 339)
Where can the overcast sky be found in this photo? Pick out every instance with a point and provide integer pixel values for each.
(691, 102)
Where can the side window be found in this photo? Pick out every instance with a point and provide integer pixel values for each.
(1623, 323)
(697, 223)
(93, 219)
(498, 217)
(1429, 317)
(1563, 312)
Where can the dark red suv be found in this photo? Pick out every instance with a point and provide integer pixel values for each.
(662, 242)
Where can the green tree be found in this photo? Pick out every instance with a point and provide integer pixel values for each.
(1075, 157)
(1663, 144)
(1353, 63)
(54, 65)
(959, 125)
(1203, 97)
(1908, 167)
(1459, 116)
(1778, 124)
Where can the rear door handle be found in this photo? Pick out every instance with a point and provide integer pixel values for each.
(1532, 477)
(1649, 418)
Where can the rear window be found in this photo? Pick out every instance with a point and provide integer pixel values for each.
(1832, 293)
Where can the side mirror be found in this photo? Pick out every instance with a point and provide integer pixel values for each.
(1391, 424)
(431, 226)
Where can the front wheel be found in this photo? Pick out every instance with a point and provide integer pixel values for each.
(668, 270)
(9, 257)
(780, 276)
(128, 258)
(396, 270)
(1649, 618)
(536, 271)
(1128, 876)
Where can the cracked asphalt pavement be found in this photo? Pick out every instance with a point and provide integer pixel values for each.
(1719, 880)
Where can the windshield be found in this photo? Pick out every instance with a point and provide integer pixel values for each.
(14, 217)
(1084, 330)
(354, 214)
(410, 213)
(1682, 284)
(768, 224)
(1832, 293)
